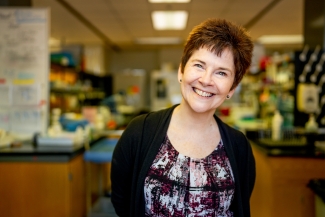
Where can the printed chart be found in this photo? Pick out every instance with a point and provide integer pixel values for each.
(24, 70)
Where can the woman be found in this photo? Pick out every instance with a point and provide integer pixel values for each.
(183, 160)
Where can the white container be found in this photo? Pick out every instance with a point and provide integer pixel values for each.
(277, 121)
(311, 125)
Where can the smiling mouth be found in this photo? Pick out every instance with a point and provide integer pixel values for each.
(202, 93)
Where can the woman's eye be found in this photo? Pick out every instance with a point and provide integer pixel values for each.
(222, 73)
(198, 65)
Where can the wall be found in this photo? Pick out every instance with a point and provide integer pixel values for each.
(120, 61)
(149, 60)
(94, 59)
(172, 56)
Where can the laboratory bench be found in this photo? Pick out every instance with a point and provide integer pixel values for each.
(283, 171)
(45, 181)
(42, 181)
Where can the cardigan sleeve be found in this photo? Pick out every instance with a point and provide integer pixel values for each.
(250, 168)
(123, 167)
(246, 162)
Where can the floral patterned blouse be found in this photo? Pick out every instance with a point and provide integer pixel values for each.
(177, 185)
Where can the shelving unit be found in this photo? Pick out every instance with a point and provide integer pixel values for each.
(71, 89)
(310, 73)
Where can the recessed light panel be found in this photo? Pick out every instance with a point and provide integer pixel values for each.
(169, 20)
(169, 1)
(281, 39)
(158, 40)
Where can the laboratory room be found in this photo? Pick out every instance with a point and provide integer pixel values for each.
(97, 97)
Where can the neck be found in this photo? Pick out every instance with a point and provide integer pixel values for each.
(192, 119)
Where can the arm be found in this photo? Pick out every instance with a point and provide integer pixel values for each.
(250, 168)
(122, 167)
(249, 180)
(246, 170)
(246, 162)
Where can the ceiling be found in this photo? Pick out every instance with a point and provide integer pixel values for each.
(117, 23)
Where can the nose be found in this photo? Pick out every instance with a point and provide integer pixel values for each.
(205, 79)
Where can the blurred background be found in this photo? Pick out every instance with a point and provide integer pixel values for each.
(73, 73)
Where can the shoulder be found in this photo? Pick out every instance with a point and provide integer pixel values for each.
(229, 131)
(235, 139)
(149, 121)
(154, 118)
(163, 113)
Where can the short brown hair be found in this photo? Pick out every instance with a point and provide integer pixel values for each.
(217, 35)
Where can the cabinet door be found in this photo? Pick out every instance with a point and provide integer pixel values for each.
(34, 189)
(77, 182)
(281, 185)
(29, 189)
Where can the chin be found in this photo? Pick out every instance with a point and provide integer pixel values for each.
(202, 109)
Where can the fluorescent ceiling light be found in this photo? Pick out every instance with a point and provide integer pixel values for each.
(281, 39)
(169, 1)
(169, 20)
(158, 40)
(53, 42)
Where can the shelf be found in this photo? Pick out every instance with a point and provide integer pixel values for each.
(87, 94)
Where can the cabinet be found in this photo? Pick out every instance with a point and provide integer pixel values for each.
(281, 185)
(51, 189)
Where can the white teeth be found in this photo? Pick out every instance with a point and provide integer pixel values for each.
(202, 93)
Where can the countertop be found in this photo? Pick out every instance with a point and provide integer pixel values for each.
(295, 142)
(27, 152)
(288, 150)
(33, 153)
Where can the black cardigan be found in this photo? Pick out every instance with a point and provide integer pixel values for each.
(138, 146)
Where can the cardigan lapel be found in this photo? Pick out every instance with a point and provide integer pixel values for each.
(229, 144)
(153, 134)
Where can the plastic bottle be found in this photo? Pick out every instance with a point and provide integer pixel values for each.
(277, 121)
(311, 125)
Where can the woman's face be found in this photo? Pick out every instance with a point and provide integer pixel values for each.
(207, 79)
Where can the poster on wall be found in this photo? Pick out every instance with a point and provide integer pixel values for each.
(24, 71)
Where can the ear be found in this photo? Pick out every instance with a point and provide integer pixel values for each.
(232, 92)
(179, 73)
